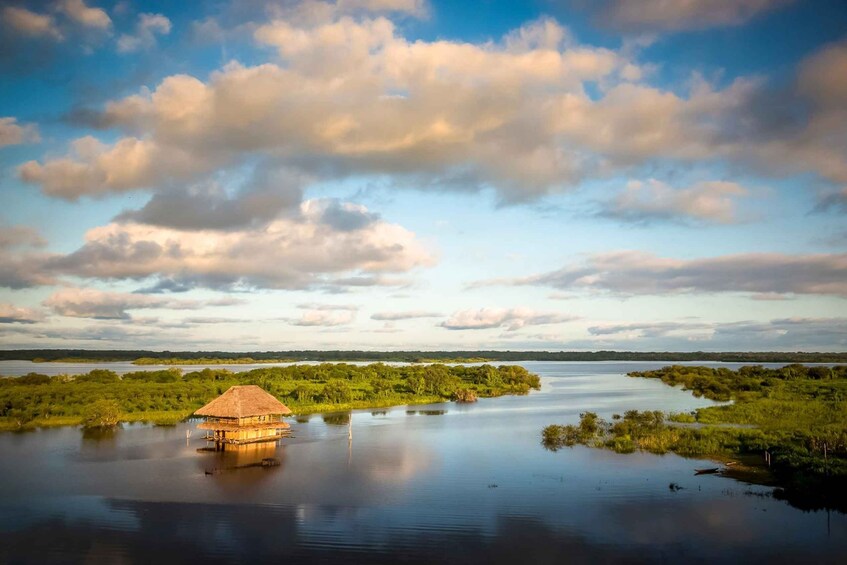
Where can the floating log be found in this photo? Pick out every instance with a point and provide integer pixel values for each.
(709, 471)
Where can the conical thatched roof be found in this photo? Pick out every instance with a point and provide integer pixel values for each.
(243, 401)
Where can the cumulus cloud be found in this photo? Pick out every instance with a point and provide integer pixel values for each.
(146, 29)
(294, 252)
(31, 23)
(13, 133)
(511, 318)
(11, 314)
(20, 236)
(353, 96)
(209, 206)
(640, 273)
(84, 15)
(103, 305)
(95, 169)
(344, 216)
(21, 265)
(405, 315)
(804, 128)
(661, 15)
(655, 201)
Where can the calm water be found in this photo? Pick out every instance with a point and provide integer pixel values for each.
(440, 483)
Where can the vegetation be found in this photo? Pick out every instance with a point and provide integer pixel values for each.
(789, 425)
(205, 361)
(81, 355)
(103, 413)
(169, 395)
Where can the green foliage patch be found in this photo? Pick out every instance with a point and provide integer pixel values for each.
(794, 417)
(169, 395)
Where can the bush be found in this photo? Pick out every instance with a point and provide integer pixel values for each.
(102, 414)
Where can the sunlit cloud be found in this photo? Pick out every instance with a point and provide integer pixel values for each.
(510, 318)
(641, 273)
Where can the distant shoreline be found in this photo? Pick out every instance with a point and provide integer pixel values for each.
(487, 356)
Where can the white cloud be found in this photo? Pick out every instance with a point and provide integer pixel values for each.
(653, 200)
(21, 266)
(103, 305)
(20, 236)
(405, 315)
(299, 251)
(85, 15)
(148, 27)
(357, 96)
(353, 96)
(325, 317)
(11, 314)
(31, 23)
(327, 307)
(95, 169)
(13, 133)
(654, 329)
(511, 318)
(640, 273)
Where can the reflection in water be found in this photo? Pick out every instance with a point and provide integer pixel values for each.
(221, 533)
(337, 418)
(100, 436)
(404, 488)
(240, 467)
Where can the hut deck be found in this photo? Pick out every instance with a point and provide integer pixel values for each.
(210, 437)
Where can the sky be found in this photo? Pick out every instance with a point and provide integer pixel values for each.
(644, 175)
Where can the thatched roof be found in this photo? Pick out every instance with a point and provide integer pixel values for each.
(243, 401)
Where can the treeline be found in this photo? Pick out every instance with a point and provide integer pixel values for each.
(418, 356)
(790, 423)
(747, 382)
(170, 395)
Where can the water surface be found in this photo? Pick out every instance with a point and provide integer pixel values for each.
(420, 484)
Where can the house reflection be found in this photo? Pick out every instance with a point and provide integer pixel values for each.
(240, 467)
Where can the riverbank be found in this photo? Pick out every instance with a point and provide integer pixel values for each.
(169, 396)
(787, 426)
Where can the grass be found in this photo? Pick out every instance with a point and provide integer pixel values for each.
(788, 427)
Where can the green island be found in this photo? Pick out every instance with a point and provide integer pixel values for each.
(168, 396)
(784, 427)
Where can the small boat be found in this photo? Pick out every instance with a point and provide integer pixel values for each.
(709, 471)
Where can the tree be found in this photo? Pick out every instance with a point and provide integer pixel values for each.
(104, 413)
(337, 392)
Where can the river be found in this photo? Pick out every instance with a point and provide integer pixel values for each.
(441, 483)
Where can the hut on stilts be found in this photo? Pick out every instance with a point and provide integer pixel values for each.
(244, 414)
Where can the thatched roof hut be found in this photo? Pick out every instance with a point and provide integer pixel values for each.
(242, 402)
(244, 414)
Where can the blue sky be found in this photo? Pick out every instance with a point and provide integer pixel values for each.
(410, 174)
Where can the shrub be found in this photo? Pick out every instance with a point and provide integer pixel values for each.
(104, 413)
